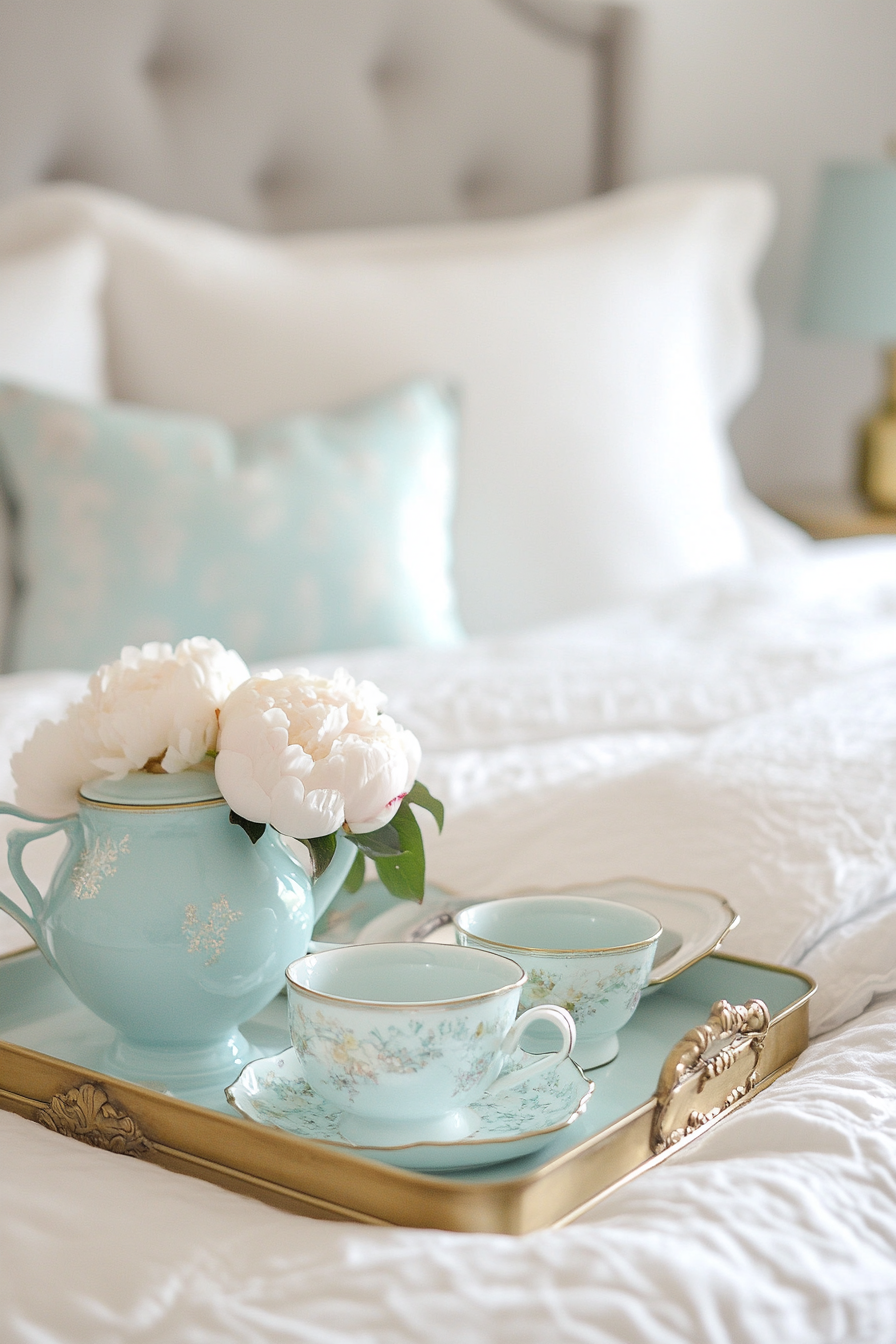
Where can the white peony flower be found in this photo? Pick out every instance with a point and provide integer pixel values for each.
(309, 754)
(154, 704)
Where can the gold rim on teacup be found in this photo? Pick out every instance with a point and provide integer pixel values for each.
(610, 950)
(393, 1004)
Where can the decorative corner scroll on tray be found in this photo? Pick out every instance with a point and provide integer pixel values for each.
(86, 1113)
(710, 1069)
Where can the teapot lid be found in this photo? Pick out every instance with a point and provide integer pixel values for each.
(140, 789)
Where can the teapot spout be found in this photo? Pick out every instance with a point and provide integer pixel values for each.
(329, 883)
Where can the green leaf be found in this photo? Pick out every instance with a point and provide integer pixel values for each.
(355, 878)
(421, 797)
(321, 848)
(377, 843)
(254, 829)
(404, 874)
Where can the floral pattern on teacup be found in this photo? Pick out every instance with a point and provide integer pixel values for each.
(351, 1059)
(283, 1098)
(581, 993)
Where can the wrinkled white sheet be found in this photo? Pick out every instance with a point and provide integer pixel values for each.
(739, 734)
(780, 1226)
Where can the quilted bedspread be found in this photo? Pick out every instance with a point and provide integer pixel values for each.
(737, 734)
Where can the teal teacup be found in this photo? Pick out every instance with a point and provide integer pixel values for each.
(589, 956)
(402, 1037)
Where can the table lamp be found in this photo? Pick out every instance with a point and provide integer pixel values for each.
(851, 291)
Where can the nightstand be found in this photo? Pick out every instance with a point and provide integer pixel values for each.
(825, 516)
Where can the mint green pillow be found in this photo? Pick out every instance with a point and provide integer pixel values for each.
(310, 532)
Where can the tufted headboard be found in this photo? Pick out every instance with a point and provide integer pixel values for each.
(293, 114)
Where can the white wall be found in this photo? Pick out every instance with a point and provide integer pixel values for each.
(775, 87)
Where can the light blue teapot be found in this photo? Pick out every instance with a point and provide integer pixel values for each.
(169, 923)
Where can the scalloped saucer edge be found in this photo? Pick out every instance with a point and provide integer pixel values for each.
(273, 1091)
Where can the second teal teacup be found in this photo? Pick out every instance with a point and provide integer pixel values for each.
(589, 956)
(402, 1037)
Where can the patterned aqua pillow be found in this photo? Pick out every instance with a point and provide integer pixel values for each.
(310, 532)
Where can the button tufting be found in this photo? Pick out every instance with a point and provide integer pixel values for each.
(66, 166)
(393, 76)
(280, 177)
(287, 114)
(480, 186)
(168, 65)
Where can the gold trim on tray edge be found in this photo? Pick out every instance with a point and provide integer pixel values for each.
(546, 1197)
(156, 1110)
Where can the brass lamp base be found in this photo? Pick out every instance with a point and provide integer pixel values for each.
(878, 458)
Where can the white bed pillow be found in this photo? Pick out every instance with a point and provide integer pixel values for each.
(598, 351)
(51, 325)
(52, 338)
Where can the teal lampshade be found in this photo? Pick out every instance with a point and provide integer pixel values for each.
(851, 278)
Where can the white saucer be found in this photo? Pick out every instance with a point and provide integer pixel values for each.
(694, 921)
(273, 1091)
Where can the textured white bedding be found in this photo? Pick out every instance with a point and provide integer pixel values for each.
(738, 734)
(778, 1226)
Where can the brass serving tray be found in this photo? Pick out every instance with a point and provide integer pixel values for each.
(687, 1059)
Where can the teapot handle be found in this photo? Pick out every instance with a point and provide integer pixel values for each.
(15, 843)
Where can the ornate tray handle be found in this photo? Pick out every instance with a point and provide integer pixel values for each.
(709, 1069)
(86, 1113)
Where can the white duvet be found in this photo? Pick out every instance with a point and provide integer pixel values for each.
(739, 734)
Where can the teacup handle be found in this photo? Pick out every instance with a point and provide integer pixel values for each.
(546, 1012)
